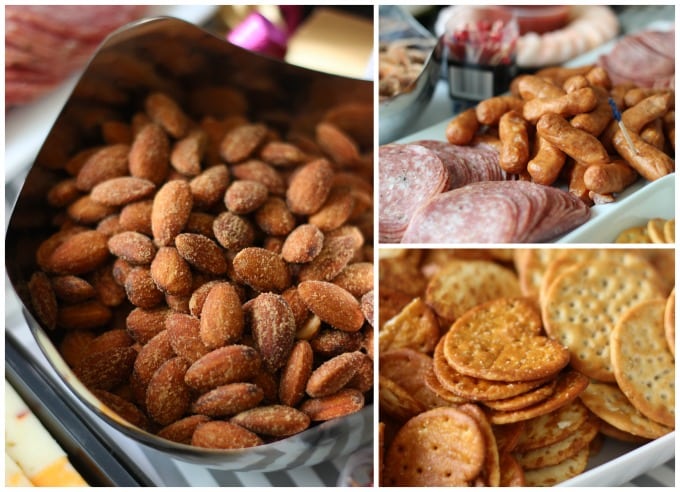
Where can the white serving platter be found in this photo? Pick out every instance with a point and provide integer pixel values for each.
(26, 127)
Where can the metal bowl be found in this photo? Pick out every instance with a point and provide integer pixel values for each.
(397, 113)
(164, 54)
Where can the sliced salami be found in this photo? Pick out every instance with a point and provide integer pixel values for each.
(409, 175)
(496, 212)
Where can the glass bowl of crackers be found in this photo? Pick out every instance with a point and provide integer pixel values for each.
(409, 68)
(180, 244)
(525, 367)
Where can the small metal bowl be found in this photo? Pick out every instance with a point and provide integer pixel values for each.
(164, 54)
(397, 113)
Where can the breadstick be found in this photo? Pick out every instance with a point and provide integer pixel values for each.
(607, 178)
(462, 128)
(580, 145)
(513, 132)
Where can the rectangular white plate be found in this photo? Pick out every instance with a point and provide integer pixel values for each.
(634, 206)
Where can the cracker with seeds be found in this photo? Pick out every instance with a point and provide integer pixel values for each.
(655, 230)
(502, 340)
(551, 475)
(669, 231)
(552, 427)
(609, 403)
(640, 357)
(461, 285)
(634, 234)
(531, 265)
(584, 303)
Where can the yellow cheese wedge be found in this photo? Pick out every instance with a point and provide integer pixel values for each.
(33, 448)
(14, 476)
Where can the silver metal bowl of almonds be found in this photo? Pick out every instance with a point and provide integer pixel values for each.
(193, 250)
(409, 68)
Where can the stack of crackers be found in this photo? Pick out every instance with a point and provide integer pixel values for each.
(507, 367)
(656, 230)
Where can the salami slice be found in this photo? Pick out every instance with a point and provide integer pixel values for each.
(409, 175)
(496, 212)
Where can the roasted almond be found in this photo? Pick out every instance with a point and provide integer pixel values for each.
(273, 327)
(107, 369)
(115, 338)
(43, 299)
(282, 154)
(335, 255)
(356, 278)
(123, 408)
(187, 153)
(330, 342)
(171, 272)
(83, 316)
(309, 187)
(255, 170)
(239, 143)
(208, 187)
(72, 289)
(133, 247)
(184, 332)
(297, 305)
(221, 317)
(152, 356)
(232, 231)
(120, 191)
(336, 144)
(63, 193)
(261, 269)
(334, 374)
(137, 217)
(181, 430)
(344, 402)
(49, 245)
(109, 225)
(295, 373)
(197, 298)
(224, 435)
(366, 302)
(170, 212)
(167, 395)
(79, 253)
(274, 218)
(86, 211)
(201, 223)
(273, 420)
(335, 211)
(144, 324)
(141, 290)
(106, 163)
(230, 364)
(73, 347)
(303, 244)
(202, 253)
(150, 154)
(332, 304)
(243, 197)
(162, 109)
(228, 399)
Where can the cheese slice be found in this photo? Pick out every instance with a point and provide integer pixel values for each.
(14, 476)
(33, 448)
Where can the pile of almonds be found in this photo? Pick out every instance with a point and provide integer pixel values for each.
(210, 279)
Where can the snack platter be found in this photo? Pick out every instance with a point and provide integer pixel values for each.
(634, 206)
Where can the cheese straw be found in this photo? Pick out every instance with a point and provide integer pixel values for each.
(14, 476)
(32, 447)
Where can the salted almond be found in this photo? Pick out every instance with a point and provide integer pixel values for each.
(241, 142)
(232, 231)
(202, 253)
(184, 333)
(144, 324)
(255, 170)
(86, 211)
(79, 253)
(150, 154)
(115, 132)
(273, 327)
(133, 247)
(282, 154)
(221, 317)
(332, 304)
(115, 338)
(197, 298)
(329, 342)
(107, 369)
(162, 109)
(120, 191)
(303, 244)
(334, 374)
(274, 218)
(187, 153)
(273, 420)
(228, 399)
(208, 187)
(309, 187)
(261, 269)
(49, 245)
(72, 289)
(243, 197)
(344, 402)
(336, 144)
(63, 193)
(356, 278)
(230, 364)
(110, 225)
(171, 272)
(109, 292)
(157, 351)
(355, 119)
(73, 347)
(219, 434)
(335, 211)
(181, 430)
(170, 212)
(124, 408)
(167, 395)
(295, 374)
(105, 163)
(201, 223)
(336, 253)
(43, 299)
(137, 217)
(141, 290)
(297, 306)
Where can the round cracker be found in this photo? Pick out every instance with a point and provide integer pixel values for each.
(655, 230)
(609, 403)
(491, 472)
(606, 429)
(552, 427)
(512, 474)
(561, 450)
(408, 368)
(643, 365)
(551, 475)
(415, 326)
(436, 386)
(501, 340)
(669, 231)
(476, 389)
(570, 384)
(395, 401)
(635, 234)
(461, 285)
(423, 453)
(531, 264)
(584, 303)
(507, 436)
(524, 400)
(669, 322)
